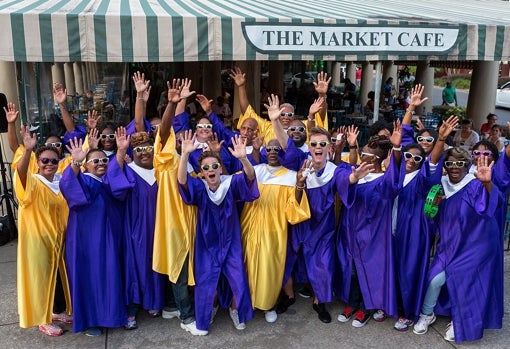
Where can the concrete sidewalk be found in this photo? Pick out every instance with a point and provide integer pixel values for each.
(298, 328)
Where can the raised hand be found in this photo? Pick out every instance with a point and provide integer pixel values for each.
(257, 142)
(75, 149)
(93, 138)
(419, 125)
(59, 93)
(396, 136)
(352, 135)
(141, 84)
(174, 91)
(321, 86)
(146, 94)
(484, 169)
(205, 103)
(448, 126)
(188, 142)
(317, 105)
(11, 114)
(238, 76)
(303, 172)
(416, 94)
(122, 139)
(29, 140)
(239, 150)
(186, 88)
(92, 119)
(360, 172)
(213, 143)
(273, 108)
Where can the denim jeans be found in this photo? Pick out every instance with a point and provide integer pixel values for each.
(430, 300)
(182, 296)
(355, 295)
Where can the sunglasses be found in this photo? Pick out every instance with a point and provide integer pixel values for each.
(147, 149)
(53, 144)
(425, 139)
(46, 161)
(214, 166)
(288, 115)
(204, 125)
(110, 136)
(274, 148)
(416, 158)
(154, 127)
(98, 160)
(481, 152)
(370, 155)
(297, 128)
(322, 144)
(451, 164)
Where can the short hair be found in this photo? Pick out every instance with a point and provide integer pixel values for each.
(44, 148)
(209, 154)
(371, 95)
(319, 131)
(467, 122)
(490, 115)
(430, 131)
(489, 145)
(92, 151)
(459, 154)
(378, 126)
(288, 105)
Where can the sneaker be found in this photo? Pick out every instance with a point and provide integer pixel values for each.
(170, 313)
(422, 326)
(51, 330)
(213, 314)
(347, 314)
(361, 318)
(450, 334)
(62, 317)
(403, 324)
(131, 324)
(192, 328)
(284, 303)
(324, 315)
(271, 316)
(235, 319)
(379, 315)
(93, 332)
(154, 313)
(305, 292)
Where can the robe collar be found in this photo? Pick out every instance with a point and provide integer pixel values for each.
(370, 177)
(450, 188)
(278, 175)
(219, 195)
(99, 179)
(54, 187)
(314, 181)
(146, 174)
(410, 176)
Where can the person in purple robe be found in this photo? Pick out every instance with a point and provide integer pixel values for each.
(364, 240)
(144, 287)
(465, 259)
(95, 240)
(218, 247)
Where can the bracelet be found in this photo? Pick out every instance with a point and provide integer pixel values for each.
(353, 147)
(76, 163)
(441, 139)
(397, 149)
(431, 208)
(410, 111)
(300, 188)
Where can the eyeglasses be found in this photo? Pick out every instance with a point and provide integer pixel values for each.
(370, 155)
(297, 128)
(53, 144)
(333, 139)
(214, 165)
(46, 161)
(322, 144)
(274, 148)
(481, 152)
(451, 164)
(110, 136)
(146, 149)
(288, 115)
(425, 139)
(204, 125)
(97, 160)
(416, 158)
(154, 127)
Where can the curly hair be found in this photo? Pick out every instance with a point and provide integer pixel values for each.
(43, 148)
(490, 146)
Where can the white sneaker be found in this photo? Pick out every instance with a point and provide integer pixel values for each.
(170, 314)
(271, 316)
(213, 314)
(235, 319)
(192, 328)
(379, 315)
(450, 334)
(422, 326)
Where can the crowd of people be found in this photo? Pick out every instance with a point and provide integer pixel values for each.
(179, 221)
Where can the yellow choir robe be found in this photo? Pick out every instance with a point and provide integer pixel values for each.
(174, 235)
(42, 222)
(264, 232)
(32, 166)
(266, 128)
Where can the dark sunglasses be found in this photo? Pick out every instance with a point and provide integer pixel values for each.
(322, 144)
(425, 139)
(416, 158)
(214, 165)
(45, 161)
(97, 160)
(154, 127)
(147, 149)
(481, 152)
(288, 115)
(53, 144)
(110, 136)
(297, 128)
(274, 148)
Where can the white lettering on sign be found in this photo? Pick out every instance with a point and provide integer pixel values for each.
(285, 38)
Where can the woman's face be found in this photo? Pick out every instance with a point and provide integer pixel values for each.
(495, 132)
(414, 160)
(455, 169)
(426, 141)
(481, 150)
(48, 164)
(143, 155)
(107, 139)
(97, 164)
(203, 130)
(56, 143)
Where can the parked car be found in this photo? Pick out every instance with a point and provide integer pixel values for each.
(302, 78)
(503, 96)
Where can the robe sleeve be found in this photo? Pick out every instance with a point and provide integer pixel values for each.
(407, 135)
(244, 190)
(131, 127)
(296, 212)
(221, 130)
(181, 122)
(189, 192)
(117, 181)
(79, 132)
(72, 187)
(25, 195)
(501, 173)
(393, 178)
(483, 202)
(32, 166)
(346, 191)
(293, 157)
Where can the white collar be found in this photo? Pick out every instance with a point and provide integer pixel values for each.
(410, 176)
(54, 187)
(108, 152)
(146, 174)
(249, 149)
(450, 188)
(99, 179)
(313, 181)
(370, 177)
(275, 175)
(201, 145)
(220, 193)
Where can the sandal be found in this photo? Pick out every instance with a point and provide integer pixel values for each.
(62, 317)
(131, 325)
(51, 330)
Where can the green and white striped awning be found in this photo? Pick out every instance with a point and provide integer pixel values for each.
(199, 30)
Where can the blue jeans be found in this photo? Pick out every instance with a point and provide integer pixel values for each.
(182, 296)
(430, 300)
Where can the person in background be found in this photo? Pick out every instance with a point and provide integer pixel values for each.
(449, 95)
(467, 137)
(485, 130)
(496, 137)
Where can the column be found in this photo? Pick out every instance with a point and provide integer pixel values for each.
(9, 88)
(366, 82)
(335, 75)
(86, 82)
(69, 78)
(57, 73)
(377, 91)
(78, 79)
(275, 82)
(351, 72)
(211, 76)
(482, 92)
(425, 76)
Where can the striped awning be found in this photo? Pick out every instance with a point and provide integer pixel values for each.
(212, 30)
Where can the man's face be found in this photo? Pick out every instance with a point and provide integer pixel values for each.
(248, 131)
(319, 148)
(287, 116)
(297, 132)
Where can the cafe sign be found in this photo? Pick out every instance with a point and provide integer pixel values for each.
(335, 39)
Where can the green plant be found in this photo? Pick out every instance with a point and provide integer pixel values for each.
(459, 111)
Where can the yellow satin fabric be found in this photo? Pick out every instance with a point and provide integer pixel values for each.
(42, 222)
(174, 235)
(264, 235)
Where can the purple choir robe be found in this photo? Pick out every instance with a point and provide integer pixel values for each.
(142, 285)
(94, 250)
(413, 237)
(365, 239)
(315, 236)
(469, 251)
(218, 247)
